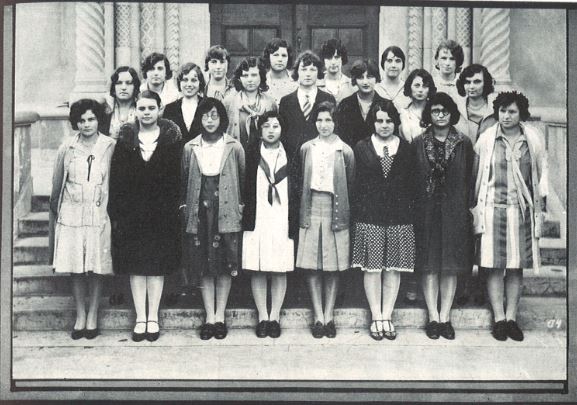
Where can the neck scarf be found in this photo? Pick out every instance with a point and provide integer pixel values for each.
(439, 166)
(274, 177)
(253, 110)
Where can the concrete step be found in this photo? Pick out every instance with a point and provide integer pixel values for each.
(31, 250)
(40, 203)
(33, 224)
(58, 313)
(554, 256)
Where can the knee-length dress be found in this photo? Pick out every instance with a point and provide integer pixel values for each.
(81, 232)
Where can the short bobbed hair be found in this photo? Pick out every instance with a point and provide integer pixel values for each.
(334, 46)
(360, 66)
(506, 98)
(455, 49)
(244, 66)
(208, 104)
(427, 81)
(151, 95)
(135, 80)
(217, 52)
(78, 108)
(446, 101)
(186, 69)
(153, 59)
(384, 106)
(274, 46)
(468, 72)
(265, 117)
(308, 58)
(395, 50)
(325, 106)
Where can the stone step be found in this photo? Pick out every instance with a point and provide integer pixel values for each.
(31, 250)
(554, 256)
(33, 224)
(40, 203)
(58, 313)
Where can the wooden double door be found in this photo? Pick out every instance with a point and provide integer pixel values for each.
(244, 29)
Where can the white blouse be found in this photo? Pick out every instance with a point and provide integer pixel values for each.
(209, 157)
(148, 142)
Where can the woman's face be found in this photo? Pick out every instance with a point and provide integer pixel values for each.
(384, 125)
(271, 131)
(325, 124)
(250, 79)
(157, 75)
(334, 64)
(217, 68)
(88, 124)
(509, 116)
(211, 120)
(366, 84)
(189, 84)
(308, 75)
(279, 59)
(147, 111)
(419, 90)
(124, 86)
(446, 62)
(474, 85)
(440, 116)
(393, 66)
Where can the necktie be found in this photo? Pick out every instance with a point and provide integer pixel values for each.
(307, 107)
(386, 161)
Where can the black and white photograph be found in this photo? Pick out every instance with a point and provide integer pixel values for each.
(289, 201)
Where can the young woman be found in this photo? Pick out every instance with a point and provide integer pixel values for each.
(419, 87)
(382, 208)
(144, 186)
(270, 221)
(442, 221)
(182, 112)
(124, 88)
(79, 224)
(277, 56)
(296, 107)
(449, 58)
(216, 64)
(212, 175)
(351, 116)
(510, 194)
(249, 102)
(157, 75)
(327, 165)
(335, 82)
(391, 87)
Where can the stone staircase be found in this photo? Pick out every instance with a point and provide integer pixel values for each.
(43, 301)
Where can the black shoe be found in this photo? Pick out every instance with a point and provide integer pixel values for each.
(446, 330)
(514, 332)
(78, 333)
(273, 329)
(91, 333)
(220, 330)
(432, 330)
(152, 336)
(318, 330)
(500, 330)
(262, 329)
(330, 329)
(138, 337)
(389, 333)
(206, 331)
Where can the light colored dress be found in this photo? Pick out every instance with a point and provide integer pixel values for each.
(168, 94)
(277, 89)
(398, 98)
(343, 89)
(410, 124)
(268, 247)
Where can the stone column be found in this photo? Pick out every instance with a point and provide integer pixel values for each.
(109, 24)
(495, 45)
(122, 33)
(90, 80)
(147, 31)
(135, 36)
(172, 35)
(415, 42)
(463, 30)
(438, 28)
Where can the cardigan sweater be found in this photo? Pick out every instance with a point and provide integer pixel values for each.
(380, 201)
(173, 112)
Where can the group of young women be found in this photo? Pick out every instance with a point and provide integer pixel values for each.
(277, 169)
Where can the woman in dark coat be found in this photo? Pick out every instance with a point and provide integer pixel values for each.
(143, 207)
(443, 223)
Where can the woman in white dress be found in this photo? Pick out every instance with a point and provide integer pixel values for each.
(419, 86)
(269, 220)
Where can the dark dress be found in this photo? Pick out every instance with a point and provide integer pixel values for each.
(143, 203)
(173, 112)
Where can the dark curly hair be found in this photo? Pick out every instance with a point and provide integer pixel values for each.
(135, 80)
(186, 69)
(384, 106)
(507, 98)
(153, 59)
(81, 106)
(264, 118)
(455, 49)
(208, 104)
(325, 106)
(427, 81)
(244, 66)
(468, 72)
(218, 52)
(151, 95)
(395, 50)
(334, 46)
(446, 101)
(360, 66)
(272, 47)
(308, 58)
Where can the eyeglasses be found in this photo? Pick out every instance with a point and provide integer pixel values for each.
(437, 112)
(212, 116)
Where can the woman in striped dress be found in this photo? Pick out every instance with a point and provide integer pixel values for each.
(510, 192)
